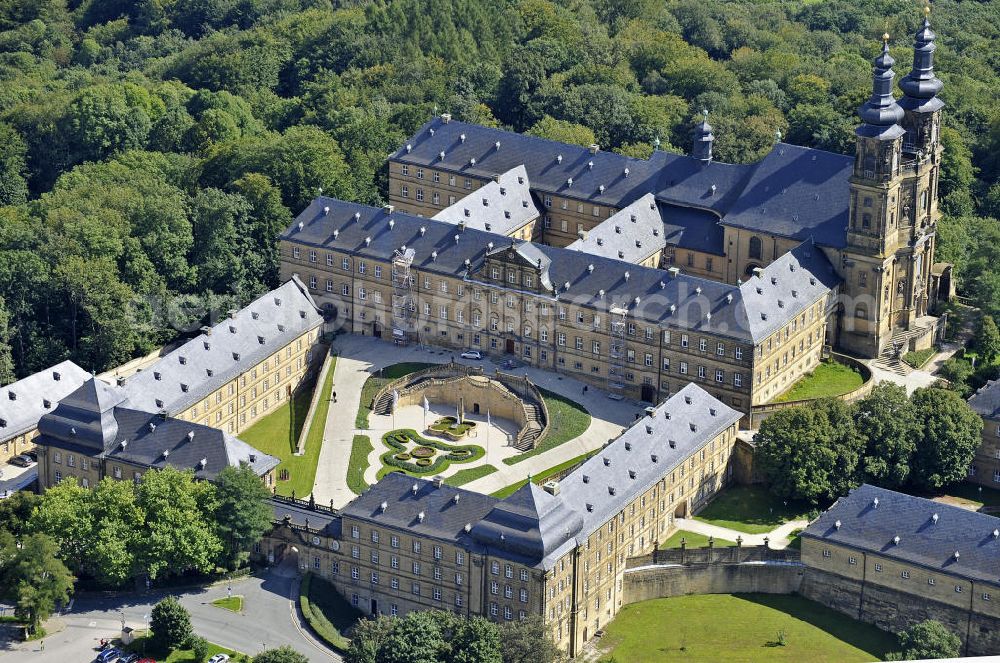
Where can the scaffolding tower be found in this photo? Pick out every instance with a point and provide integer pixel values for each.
(403, 306)
(616, 358)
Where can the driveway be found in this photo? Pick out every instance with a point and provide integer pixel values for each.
(270, 620)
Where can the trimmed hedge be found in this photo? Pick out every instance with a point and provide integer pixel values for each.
(326, 612)
(396, 441)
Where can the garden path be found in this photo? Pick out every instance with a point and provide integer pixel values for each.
(359, 356)
(778, 538)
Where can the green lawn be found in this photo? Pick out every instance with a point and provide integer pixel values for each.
(567, 421)
(750, 509)
(920, 357)
(740, 627)
(379, 380)
(692, 540)
(544, 476)
(277, 434)
(326, 611)
(139, 646)
(469, 474)
(233, 603)
(829, 378)
(356, 466)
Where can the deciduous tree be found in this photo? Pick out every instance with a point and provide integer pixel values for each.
(242, 513)
(949, 432)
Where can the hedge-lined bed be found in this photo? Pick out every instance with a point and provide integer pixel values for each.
(326, 612)
(418, 460)
(450, 427)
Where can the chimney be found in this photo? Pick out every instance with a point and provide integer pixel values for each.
(594, 148)
(551, 487)
(445, 118)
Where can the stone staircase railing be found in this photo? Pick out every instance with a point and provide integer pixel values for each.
(519, 388)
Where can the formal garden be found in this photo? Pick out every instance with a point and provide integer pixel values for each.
(417, 455)
(452, 427)
(740, 627)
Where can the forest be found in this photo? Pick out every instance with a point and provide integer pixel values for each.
(151, 150)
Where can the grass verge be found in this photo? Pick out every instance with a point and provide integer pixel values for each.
(544, 476)
(756, 627)
(379, 380)
(567, 421)
(231, 603)
(358, 464)
(326, 612)
(829, 378)
(463, 477)
(750, 509)
(142, 646)
(918, 358)
(277, 434)
(693, 540)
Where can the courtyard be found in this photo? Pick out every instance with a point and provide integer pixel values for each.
(739, 627)
(354, 451)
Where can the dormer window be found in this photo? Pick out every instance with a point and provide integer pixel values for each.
(184, 387)
(156, 375)
(255, 315)
(56, 376)
(183, 360)
(46, 403)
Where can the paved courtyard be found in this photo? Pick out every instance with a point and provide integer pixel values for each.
(360, 356)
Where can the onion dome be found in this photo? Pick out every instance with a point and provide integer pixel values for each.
(881, 114)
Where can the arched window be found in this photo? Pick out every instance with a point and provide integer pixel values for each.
(756, 248)
(866, 220)
(860, 312)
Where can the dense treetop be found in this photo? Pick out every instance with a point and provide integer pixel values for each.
(151, 149)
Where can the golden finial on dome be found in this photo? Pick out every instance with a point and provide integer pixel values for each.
(885, 37)
(927, 9)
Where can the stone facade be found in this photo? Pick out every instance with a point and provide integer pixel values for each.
(501, 310)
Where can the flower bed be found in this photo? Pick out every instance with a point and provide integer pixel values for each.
(449, 427)
(415, 462)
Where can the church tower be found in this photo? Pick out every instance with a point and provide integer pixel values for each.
(867, 264)
(893, 208)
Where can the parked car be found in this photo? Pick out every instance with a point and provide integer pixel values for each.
(146, 660)
(32, 454)
(24, 460)
(219, 658)
(472, 354)
(108, 655)
(129, 658)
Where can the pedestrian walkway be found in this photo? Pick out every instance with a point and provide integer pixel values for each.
(778, 538)
(361, 356)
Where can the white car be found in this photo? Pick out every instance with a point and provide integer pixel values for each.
(472, 354)
(219, 658)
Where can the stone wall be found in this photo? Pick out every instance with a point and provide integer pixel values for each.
(894, 611)
(472, 391)
(653, 582)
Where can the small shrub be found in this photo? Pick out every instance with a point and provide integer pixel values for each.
(423, 452)
(402, 456)
(423, 462)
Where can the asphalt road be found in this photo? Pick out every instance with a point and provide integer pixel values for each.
(269, 620)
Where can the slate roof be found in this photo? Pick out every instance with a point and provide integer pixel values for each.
(922, 540)
(501, 206)
(794, 192)
(85, 418)
(97, 418)
(446, 510)
(786, 287)
(35, 395)
(675, 429)
(797, 192)
(210, 360)
(531, 523)
(632, 234)
(690, 228)
(986, 400)
(594, 281)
